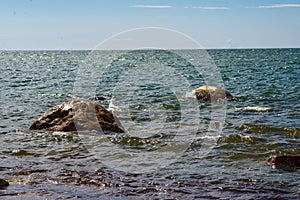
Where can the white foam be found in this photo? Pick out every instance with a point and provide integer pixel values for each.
(190, 94)
(112, 106)
(255, 108)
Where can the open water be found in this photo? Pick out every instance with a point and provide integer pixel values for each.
(173, 149)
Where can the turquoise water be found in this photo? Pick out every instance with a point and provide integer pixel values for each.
(262, 121)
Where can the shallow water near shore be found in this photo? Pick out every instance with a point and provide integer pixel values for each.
(262, 121)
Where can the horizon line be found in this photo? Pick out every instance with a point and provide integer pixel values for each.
(213, 48)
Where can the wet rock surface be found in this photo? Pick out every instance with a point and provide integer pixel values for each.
(78, 115)
(102, 183)
(211, 94)
(3, 183)
(281, 161)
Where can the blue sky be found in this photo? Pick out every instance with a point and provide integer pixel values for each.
(82, 24)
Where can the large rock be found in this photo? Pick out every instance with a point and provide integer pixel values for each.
(279, 161)
(78, 115)
(211, 94)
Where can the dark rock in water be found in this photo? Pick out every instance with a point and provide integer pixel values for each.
(97, 98)
(78, 115)
(3, 183)
(279, 161)
(211, 94)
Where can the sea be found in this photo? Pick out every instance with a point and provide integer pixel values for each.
(175, 147)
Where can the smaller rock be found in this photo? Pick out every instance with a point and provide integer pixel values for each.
(279, 161)
(211, 94)
(3, 183)
(97, 98)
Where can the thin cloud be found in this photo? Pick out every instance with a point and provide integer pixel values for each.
(208, 8)
(192, 7)
(281, 6)
(151, 6)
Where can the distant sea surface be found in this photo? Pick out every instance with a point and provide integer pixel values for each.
(262, 121)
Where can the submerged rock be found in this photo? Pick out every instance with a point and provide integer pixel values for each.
(78, 115)
(3, 183)
(279, 161)
(211, 94)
